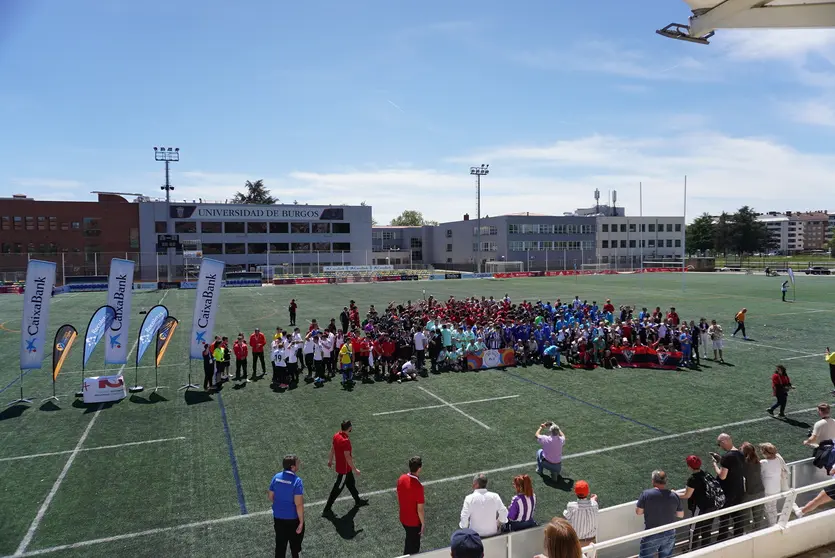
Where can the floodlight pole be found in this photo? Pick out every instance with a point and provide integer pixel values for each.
(479, 172)
(167, 155)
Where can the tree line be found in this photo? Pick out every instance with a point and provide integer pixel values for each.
(738, 233)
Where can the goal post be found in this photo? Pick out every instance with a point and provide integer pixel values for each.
(596, 268)
(678, 265)
(503, 267)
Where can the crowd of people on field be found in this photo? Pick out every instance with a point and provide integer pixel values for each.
(743, 473)
(395, 342)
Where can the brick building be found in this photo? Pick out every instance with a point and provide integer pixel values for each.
(87, 233)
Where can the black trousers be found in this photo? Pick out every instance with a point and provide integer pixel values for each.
(420, 358)
(738, 520)
(782, 399)
(208, 373)
(255, 358)
(308, 362)
(240, 365)
(285, 533)
(701, 532)
(329, 364)
(292, 318)
(412, 545)
(319, 366)
(740, 326)
(348, 483)
(832, 374)
(293, 371)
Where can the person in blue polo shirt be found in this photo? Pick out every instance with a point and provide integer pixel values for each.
(287, 496)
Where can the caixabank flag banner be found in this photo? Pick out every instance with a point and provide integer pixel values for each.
(40, 280)
(491, 358)
(99, 324)
(205, 306)
(119, 295)
(150, 325)
(64, 339)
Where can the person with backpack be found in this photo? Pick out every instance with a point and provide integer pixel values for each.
(704, 495)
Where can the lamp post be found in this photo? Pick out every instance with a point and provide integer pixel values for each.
(479, 172)
(167, 155)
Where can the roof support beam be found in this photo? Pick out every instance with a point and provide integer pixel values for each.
(714, 18)
(739, 14)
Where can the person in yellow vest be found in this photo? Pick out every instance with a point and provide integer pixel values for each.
(830, 360)
(218, 357)
(740, 323)
(346, 363)
(278, 333)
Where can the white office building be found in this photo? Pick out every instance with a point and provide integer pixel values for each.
(623, 242)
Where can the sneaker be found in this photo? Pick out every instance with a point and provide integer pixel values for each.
(770, 412)
(797, 511)
(362, 502)
(399, 381)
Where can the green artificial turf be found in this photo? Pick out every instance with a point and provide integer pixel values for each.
(179, 496)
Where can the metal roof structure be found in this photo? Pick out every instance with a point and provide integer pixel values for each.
(710, 15)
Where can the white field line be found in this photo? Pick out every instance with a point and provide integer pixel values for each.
(97, 448)
(33, 527)
(758, 344)
(804, 356)
(451, 406)
(236, 517)
(439, 406)
(799, 313)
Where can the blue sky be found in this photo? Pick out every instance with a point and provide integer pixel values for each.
(391, 102)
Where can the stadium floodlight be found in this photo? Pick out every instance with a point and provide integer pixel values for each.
(478, 172)
(167, 155)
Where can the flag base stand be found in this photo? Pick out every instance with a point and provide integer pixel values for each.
(79, 394)
(50, 398)
(136, 389)
(21, 399)
(188, 385)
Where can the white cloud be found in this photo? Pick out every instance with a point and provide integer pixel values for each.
(777, 44)
(47, 183)
(817, 112)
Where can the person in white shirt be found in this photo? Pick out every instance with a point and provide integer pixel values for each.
(483, 511)
(327, 346)
(291, 359)
(408, 371)
(716, 336)
(775, 475)
(307, 349)
(279, 366)
(420, 347)
(583, 514)
(824, 429)
(318, 363)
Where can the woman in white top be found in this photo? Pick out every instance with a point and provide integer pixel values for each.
(775, 474)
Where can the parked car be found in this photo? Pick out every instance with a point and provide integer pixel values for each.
(818, 270)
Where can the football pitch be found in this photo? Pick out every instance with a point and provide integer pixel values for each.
(185, 473)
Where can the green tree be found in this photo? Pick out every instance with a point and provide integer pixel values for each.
(701, 234)
(748, 235)
(411, 218)
(722, 234)
(831, 245)
(255, 193)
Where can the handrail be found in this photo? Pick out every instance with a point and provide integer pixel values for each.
(594, 547)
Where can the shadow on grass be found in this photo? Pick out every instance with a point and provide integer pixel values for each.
(49, 406)
(345, 525)
(796, 423)
(12, 412)
(154, 397)
(92, 407)
(560, 483)
(197, 397)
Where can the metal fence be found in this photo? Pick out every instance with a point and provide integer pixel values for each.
(620, 530)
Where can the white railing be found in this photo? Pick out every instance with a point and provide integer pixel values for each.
(621, 530)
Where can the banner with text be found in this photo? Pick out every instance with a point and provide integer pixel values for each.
(40, 279)
(152, 322)
(97, 328)
(101, 389)
(205, 305)
(119, 295)
(164, 335)
(334, 268)
(646, 357)
(491, 358)
(64, 338)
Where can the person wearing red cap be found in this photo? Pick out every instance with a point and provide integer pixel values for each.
(582, 514)
(699, 501)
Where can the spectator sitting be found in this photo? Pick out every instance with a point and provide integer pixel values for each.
(407, 371)
(522, 506)
(561, 540)
(466, 543)
(549, 456)
(583, 514)
(483, 511)
(660, 506)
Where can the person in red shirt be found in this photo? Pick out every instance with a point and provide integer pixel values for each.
(780, 386)
(411, 501)
(672, 315)
(341, 455)
(388, 347)
(241, 352)
(257, 341)
(292, 309)
(609, 307)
